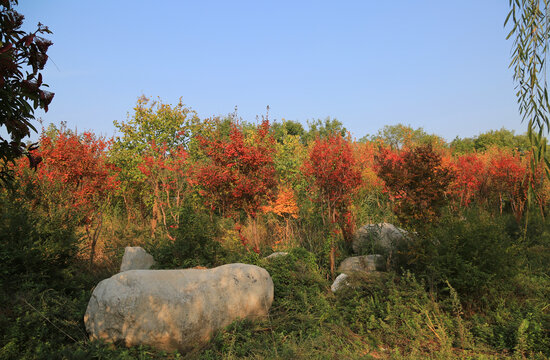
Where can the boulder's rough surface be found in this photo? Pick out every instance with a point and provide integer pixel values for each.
(176, 309)
(135, 258)
(366, 263)
(341, 281)
(382, 238)
(276, 254)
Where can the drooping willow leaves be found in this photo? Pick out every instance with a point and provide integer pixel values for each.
(530, 31)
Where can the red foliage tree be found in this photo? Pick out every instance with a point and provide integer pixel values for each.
(417, 182)
(508, 179)
(239, 173)
(332, 168)
(498, 177)
(470, 178)
(74, 178)
(165, 171)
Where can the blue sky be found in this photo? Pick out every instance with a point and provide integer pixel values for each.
(439, 65)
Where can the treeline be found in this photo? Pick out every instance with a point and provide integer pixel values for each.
(277, 179)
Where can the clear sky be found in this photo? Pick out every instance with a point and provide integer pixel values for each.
(440, 65)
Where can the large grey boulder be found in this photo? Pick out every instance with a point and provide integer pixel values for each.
(176, 309)
(136, 258)
(383, 238)
(366, 263)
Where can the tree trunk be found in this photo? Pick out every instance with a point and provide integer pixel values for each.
(332, 259)
(94, 238)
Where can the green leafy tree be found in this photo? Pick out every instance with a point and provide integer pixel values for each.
(22, 57)
(291, 154)
(323, 129)
(153, 122)
(502, 138)
(463, 145)
(398, 136)
(287, 127)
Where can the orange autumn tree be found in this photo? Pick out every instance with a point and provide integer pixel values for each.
(370, 194)
(284, 206)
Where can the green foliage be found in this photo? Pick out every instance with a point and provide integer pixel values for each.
(399, 136)
(45, 323)
(36, 256)
(302, 324)
(285, 128)
(500, 138)
(517, 319)
(323, 129)
(474, 254)
(153, 122)
(298, 282)
(530, 31)
(32, 247)
(194, 243)
(290, 155)
(158, 122)
(399, 310)
(311, 229)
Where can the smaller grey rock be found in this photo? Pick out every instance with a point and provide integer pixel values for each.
(367, 263)
(136, 258)
(340, 282)
(276, 254)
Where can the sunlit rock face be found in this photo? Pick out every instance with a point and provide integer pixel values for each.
(176, 309)
(340, 282)
(136, 258)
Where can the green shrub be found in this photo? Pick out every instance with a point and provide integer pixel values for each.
(536, 247)
(517, 319)
(474, 253)
(300, 287)
(399, 312)
(32, 248)
(194, 243)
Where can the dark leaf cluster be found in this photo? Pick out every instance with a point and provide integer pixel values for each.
(22, 57)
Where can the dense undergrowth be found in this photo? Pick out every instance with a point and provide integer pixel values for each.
(478, 288)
